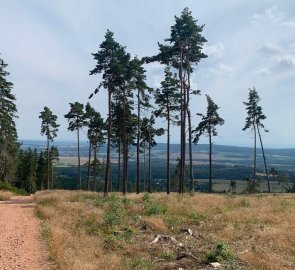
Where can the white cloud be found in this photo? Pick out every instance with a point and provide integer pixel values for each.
(222, 70)
(272, 15)
(270, 49)
(262, 72)
(287, 60)
(215, 50)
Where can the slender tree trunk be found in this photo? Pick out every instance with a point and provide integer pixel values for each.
(264, 159)
(79, 160)
(144, 167)
(89, 160)
(150, 176)
(124, 149)
(108, 164)
(124, 169)
(137, 149)
(189, 128)
(119, 166)
(210, 162)
(182, 128)
(95, 169)
(254, 165)
(48, 163)
(191, 175)
(52, 175)
(168, 151)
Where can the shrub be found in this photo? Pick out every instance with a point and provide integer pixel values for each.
(221, 253)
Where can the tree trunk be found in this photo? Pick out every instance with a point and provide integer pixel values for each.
(168, 151)
(107, 174)
(182, 127)
(144, 167)
(264, 159)
(124, 169)
(191, 176)
(137, 147)
(79, 160)
(124, 148)
(94, 169)
(254, 165)
(119, 166)
(210, 162)
(150, 176)
(47, 163)
(89, 160)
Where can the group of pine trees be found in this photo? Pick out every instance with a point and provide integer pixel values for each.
(130, 119)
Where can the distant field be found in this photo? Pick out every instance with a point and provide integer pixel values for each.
(86, 230)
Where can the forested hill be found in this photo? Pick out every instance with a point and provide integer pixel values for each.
(68, 148)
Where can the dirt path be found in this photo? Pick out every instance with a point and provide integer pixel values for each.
(21, 246)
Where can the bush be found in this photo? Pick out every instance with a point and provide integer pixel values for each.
(155, 208)
(221, 253)
(115, 215)
(14, 190)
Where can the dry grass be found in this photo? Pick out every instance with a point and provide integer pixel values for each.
(88, 231)
(5, 195)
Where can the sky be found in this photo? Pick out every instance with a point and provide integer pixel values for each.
(48, 44)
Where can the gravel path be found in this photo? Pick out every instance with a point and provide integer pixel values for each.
(21, 246)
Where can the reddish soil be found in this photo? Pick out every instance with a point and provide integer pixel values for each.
(21, 246)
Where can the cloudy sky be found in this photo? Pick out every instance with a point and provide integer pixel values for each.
(48, 46)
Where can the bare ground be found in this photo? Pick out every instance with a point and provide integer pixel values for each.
(21, 246)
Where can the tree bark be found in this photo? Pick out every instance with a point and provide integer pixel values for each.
(137, 150)
(149, 181)
(144, 167)
(119, 166)
(182, 128)
(265, 166)
(95, 169)
(168, 151)
(210, 162)
(89, 160)
(107, 175)
(254, 165)
(47, 163)
(79, 160)
(190, 151)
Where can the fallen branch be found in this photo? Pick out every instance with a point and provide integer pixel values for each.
(181, 255)
(165, 238)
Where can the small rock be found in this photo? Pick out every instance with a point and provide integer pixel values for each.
(215, 265)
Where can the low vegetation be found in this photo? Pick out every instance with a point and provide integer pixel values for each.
(5, 195)
(11, 189)
(86, 230)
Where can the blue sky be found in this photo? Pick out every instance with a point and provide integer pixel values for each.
(48, 46)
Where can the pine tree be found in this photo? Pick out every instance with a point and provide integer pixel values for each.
(142, 99)
(208, 126)
(253, 121)
(148, 135)
(113, 62)
(49, 128)
(167, 98)
(76, 121)
(183, 51)
(8, 134)
(96, 136)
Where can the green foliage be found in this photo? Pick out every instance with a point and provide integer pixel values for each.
(153, 207)
(115, 215)
(139, 264)
(221, 253)
(8, 133)
(14, 190)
